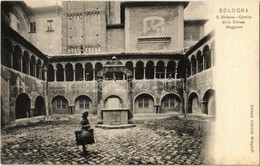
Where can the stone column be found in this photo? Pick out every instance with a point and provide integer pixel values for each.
(74, 74)
(94, 74)
(30, 113)
(203, 61)
(134, 73)
(84, 74)
(64, 74)
(55, 74)
(191, 69)
(144, 73)
(71, 109)
(176, 69)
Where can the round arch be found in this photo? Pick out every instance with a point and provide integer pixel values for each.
(40, 108)
(60, 105)
(144, 103)
(209, 100)
(113, 101)
(207, 57)
(83, 103)
(22, 106)
(170, 102)
(17, 58)
(193, 103)
(200, 61)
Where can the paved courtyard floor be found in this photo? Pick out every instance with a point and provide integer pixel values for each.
(53, 142)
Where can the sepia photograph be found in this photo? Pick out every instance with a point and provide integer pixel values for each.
(129, 82)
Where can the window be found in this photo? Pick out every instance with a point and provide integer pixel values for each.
(83, 104)
(168, 102)
(61, 104)
(143, 103)
(32, 27)
(49, 25)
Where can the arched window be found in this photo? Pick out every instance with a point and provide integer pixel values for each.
(79, 72)
(60, 73)
(50, 73)
(149, 70)
(200, 61)
(32, 66)
(69, 72)
(160, 70)
(6, 52)
(171, 69)
(207, 57)
(60, 105)
(17, 58)
(89, 71)
(139, 70)
(98, 67)
(129, 66)
(38, 68)
(25, 60)
(193, 65)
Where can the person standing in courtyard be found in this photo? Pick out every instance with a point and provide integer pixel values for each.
(86, 134)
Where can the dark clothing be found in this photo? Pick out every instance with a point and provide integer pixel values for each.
(85, 124)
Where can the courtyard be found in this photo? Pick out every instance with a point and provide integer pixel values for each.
(172, 140)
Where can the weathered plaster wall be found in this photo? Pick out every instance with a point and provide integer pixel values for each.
(166, 21)
(20, 83)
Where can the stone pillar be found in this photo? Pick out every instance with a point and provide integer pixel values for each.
(176, 69)
(84, 74)
(134, 73)
(144, 72)
(154, 70)
(191, 69)
(64, 74)
(30, 113)
(45, 93)
(203, 62)
(71, 109)
(204, 107)
(94, 74)
(74, 74)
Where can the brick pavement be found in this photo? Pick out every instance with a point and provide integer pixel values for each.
(54, 143)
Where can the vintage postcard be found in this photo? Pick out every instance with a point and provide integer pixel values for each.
(129, 82)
